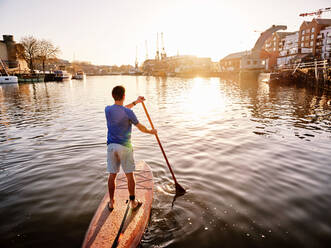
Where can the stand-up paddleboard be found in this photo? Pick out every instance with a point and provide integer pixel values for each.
(110, 229)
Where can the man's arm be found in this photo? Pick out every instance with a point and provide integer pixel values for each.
(131, 105)
(143, 129)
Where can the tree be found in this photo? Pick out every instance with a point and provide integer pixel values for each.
(47, 51)
(30, 50)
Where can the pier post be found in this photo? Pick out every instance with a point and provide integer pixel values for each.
(325, 75)
(316, 71)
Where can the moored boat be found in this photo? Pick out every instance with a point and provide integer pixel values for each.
(8, 79)
(61, 75)
(80, 75)
(27, 78)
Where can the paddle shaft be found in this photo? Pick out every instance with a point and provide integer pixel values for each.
(158, 141)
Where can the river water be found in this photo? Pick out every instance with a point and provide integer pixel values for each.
(255, 160)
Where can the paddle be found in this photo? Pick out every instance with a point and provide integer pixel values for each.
(179, 189)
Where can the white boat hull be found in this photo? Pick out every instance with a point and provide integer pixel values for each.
(8, 80)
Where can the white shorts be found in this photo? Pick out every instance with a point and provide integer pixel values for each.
(119, 155)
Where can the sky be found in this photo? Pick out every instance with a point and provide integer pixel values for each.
(107, 32)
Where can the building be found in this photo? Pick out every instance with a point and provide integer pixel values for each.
(10, 54)
(273, 46)
(288, 49)
(308, 36)
(323, 44)
(231, 63)
(180, 64)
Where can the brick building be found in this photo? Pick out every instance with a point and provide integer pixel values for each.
(308, 33)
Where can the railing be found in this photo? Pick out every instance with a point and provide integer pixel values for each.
(308, 65)
(320, 67)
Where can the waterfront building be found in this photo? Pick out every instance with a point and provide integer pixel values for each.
(231, 62)
(323, 44)
(288, 50)
(273, 46)
(10, 54)
(180, 64)
(308, 32)
(235, 62)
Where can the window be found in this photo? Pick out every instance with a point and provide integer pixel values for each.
(311, 43)
(302, 38)
(307, 31)
(306, 44)
(254, 62)
(248, 62)
(312, 36)
(302, 44)
(303, 32)
(312, 29)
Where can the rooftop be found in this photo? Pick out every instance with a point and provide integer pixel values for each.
(236, 55)
(323, 21)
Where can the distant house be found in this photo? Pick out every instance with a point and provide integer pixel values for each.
(10, 53)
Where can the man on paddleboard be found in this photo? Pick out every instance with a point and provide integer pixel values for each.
(119, 148)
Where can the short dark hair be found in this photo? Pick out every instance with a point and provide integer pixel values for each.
(118, 93)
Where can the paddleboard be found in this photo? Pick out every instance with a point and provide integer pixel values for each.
(105, 225)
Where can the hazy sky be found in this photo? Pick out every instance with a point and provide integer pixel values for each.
(108, 31)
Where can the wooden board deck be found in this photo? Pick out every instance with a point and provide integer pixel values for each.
(105, 225)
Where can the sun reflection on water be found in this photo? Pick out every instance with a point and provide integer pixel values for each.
(204, 100)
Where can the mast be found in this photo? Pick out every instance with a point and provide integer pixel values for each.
(3, 66)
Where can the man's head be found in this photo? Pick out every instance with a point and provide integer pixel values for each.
(118, 93)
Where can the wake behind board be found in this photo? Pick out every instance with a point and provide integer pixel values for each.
(105, 225)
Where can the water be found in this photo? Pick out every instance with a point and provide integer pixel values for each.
(255, 160)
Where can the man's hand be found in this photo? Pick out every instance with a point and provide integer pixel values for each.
(140, 99)
(153, 131)
(143, 129)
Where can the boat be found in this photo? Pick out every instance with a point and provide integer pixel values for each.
(61, 75)
(122, 227)
(7, 79)
(80, 75)
(27, 78)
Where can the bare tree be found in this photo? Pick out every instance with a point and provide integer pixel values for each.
(47, 51)
(30, 50)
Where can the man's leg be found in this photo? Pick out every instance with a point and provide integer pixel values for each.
(131, 188)
(111, 189)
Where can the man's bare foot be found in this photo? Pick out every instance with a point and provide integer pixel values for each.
(135, 204)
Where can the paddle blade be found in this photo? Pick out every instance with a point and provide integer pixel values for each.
(179, 189)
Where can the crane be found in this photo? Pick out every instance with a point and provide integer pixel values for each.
(318, 12)
(136, 62)
(146, 49)
(157, 56)
(163, 52)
